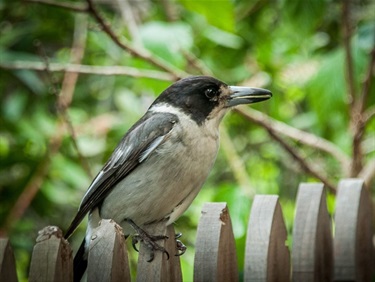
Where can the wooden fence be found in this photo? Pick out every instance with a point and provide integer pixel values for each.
(315, 255)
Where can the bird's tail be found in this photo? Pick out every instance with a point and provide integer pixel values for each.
(80, 263)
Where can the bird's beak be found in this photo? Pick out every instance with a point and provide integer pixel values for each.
(247, 95)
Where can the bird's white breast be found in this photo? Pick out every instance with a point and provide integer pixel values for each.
(165, 184)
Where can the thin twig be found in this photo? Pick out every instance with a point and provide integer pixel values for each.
(85, 69)
(368, 81)
(356, 119)
(73, 136)
(347, 34)
(308, 168)
(141, 53)
(368, 174)
(369, 114)
(76, 7)
(177, 74)
(129, 20)
(196, 63)
(361, 117)
(63, 101)
(33, 185)
(170, 10)
(298, 135)
(76, 56)
(357, 158)
(301, 160)
(70, 81)
(236, 163)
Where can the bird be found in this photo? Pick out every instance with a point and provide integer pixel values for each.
(163, 160)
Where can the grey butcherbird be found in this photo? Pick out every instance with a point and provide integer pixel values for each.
(161, 163)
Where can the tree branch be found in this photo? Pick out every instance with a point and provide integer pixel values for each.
(141, 53)
(367, 81)
(196, 63)
(76, 56)
(69, 83)
(356, 119)
(296, 134)
(33, 185)
(362, 116)
(347, 34)
(129, 20)
(125, 46)
(368, 174)
(369, 114)
(85, 69)
(64, 99)
(308, 168)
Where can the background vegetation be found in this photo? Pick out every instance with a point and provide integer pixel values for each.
(75, 75)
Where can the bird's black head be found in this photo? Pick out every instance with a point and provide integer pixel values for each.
(204, 97)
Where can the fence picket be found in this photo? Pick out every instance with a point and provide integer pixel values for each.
(353, 247)
(315, 255)
(52, 258)
(266, 255)
(215, 251)
(160, 268)
(7, 262)
(108, 257)
(312, 254)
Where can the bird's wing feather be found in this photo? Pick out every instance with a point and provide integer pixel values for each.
(140, 141)
(151, 148)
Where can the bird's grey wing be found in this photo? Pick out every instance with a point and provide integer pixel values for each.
(140, 141)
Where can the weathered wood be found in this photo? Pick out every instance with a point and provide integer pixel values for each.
(266, 256)
(215, 251)
(353, 247)
(52, 258)
(312, 253)
(7, 262)
(108, 257)
(160, 268)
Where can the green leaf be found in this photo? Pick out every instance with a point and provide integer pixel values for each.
(219, 13)
(69, 173)
(14, 105)
(223, 38)
(305, 15)
(31, 80)
(10, 35)
(4, 146)
(167, 40)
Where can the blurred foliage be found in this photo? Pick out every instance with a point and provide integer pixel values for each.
(293, 48)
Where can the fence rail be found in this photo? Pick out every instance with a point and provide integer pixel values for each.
(315, 255)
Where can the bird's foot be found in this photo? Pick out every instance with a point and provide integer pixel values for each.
(148, 240)
(181, 248)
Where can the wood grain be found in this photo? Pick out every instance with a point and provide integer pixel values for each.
(108, 257)
(312, 253)
(266, 255)
(52, 258)
(353, 246)
(7, 262)
(215, 254)
(160, 268)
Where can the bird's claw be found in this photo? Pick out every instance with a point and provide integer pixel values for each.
(148, 240)
(135, 242)
(181, 248)
(150, 243)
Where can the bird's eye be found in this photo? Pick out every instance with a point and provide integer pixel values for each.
(210, 93)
